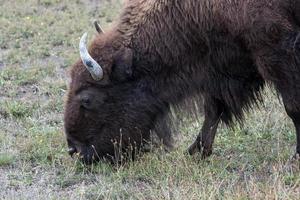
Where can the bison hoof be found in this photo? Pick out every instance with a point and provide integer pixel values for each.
(296, 156)
(196, 147)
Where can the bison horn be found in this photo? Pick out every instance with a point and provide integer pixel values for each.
(98, 27)
(92, 66)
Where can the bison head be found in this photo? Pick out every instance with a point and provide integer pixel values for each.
(108, 110)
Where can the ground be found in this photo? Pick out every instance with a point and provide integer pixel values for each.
(38, 43)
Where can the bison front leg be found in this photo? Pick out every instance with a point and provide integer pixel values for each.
(204, 141)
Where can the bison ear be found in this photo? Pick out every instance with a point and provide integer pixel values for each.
(122, 66)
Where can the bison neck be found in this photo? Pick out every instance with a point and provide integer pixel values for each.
(168, 47)
(182, 50)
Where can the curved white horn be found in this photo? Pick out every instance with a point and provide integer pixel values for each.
(92, 66)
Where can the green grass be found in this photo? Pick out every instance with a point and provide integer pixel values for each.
(38, 43)
(6, 159)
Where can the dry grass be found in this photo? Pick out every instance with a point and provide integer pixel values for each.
(38, 42)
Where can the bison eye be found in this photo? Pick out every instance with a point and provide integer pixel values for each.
(90, 99)
(85, 102)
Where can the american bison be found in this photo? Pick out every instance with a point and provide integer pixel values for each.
(161, 52)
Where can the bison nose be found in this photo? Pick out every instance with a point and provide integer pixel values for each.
(72, 150)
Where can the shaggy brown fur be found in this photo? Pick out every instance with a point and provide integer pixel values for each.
(162, 52)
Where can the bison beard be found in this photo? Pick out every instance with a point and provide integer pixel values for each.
(161, 53)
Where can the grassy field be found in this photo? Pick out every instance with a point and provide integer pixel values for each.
(38, 43)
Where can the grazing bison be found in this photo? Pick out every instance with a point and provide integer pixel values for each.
(161, 52)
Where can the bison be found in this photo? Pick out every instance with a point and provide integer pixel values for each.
(161, 52)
